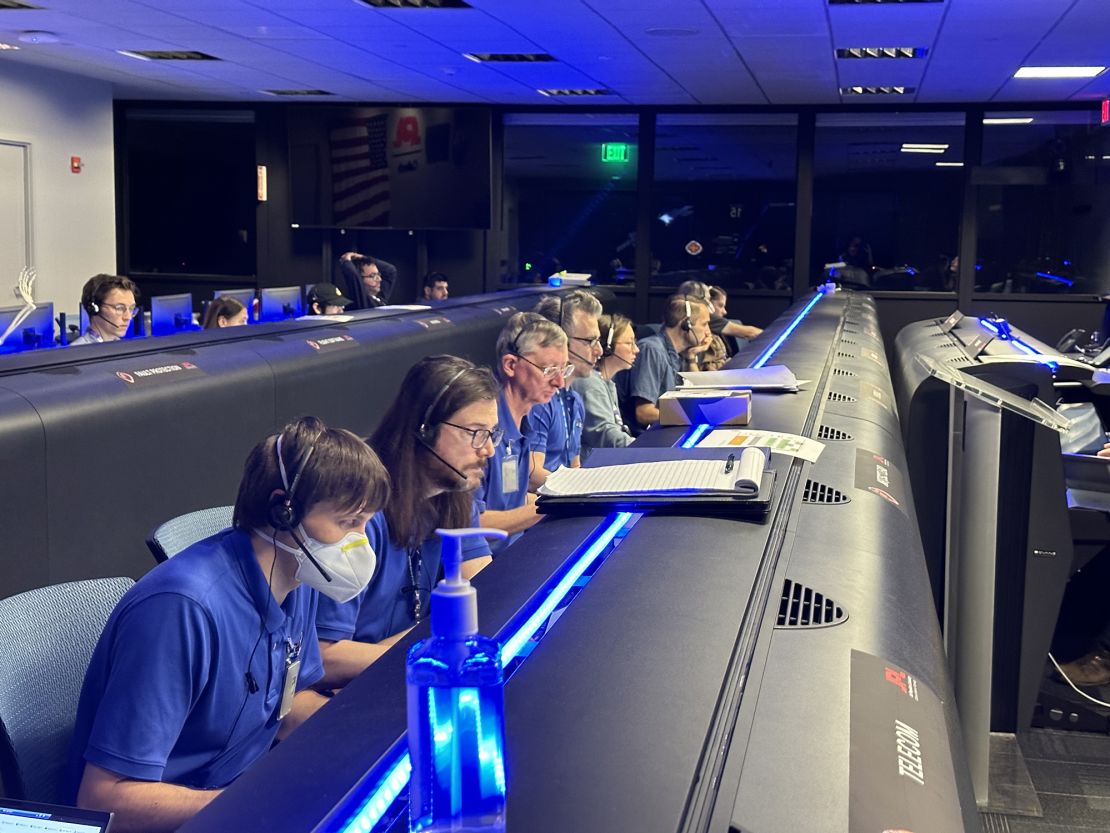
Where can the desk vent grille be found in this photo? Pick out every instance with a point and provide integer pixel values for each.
(848, 341)
(804, 607)
(841, 354)
(826, 432)
(815, 492)
(834, 396)
(960, 360)
(938, 335)
(840, 371)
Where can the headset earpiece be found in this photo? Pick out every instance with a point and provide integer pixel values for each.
(284, 516)
(425, 433)
(608, 349)
(93, 307)
(687, 325)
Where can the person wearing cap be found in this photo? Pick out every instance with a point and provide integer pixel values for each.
(326, 299)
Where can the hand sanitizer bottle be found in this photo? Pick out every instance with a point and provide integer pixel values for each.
(455, 710)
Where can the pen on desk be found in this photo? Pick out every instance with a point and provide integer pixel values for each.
(729, 463)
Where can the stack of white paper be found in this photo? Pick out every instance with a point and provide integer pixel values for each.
(770, 378)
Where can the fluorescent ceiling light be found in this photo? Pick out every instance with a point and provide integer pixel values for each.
(1008, 120)
(8, 46)
(949, 164)
(925, 145)
(1059, 72)
(921, 150)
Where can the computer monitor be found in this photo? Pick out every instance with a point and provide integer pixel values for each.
(243, 296)
(25, 816)
(34, 332)
(171, 314)
(132, 331)
(281, 302)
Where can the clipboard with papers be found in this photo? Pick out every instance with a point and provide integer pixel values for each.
(710, 481)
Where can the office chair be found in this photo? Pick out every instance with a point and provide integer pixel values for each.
(178, 533)
(48, 636)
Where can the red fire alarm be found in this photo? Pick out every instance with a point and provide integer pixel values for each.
(75, 164)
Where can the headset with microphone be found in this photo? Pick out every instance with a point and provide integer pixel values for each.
(687, 324)
(609, 344)
(92, 306)
(426, 433)
(285, 514)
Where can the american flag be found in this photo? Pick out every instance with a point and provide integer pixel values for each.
(360, 172)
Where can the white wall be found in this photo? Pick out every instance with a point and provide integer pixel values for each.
(73, 215)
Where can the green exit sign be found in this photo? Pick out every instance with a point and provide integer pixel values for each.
(615, 152)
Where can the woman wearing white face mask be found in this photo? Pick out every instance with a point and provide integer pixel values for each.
(210, 656)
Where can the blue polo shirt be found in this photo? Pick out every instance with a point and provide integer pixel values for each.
(656, 369)
(492, 493)
(385, 607)
(555, 427)
(166, 695)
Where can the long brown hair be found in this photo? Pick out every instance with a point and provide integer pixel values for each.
(427, 397)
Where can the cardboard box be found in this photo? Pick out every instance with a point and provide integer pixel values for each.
(715, 407)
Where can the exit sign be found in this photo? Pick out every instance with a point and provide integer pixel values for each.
(614, 152)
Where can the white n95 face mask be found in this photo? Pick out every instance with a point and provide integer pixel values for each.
(350, 562)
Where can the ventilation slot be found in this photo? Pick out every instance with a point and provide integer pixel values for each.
(815, 492)
(835, 396)
(826, 432)
(960, 360)
(840, 371)
(844, 355)
(804, 607)
(938, 335)
(848, 341)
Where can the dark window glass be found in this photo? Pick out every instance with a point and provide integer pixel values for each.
(724, 200)
(564, 206)
(1043, 201)
(887, 192)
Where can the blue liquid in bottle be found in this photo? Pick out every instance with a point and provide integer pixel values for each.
(456, 712)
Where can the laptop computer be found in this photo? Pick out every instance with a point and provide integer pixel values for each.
(36, 817)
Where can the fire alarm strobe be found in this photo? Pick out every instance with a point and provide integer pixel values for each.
(75, 164)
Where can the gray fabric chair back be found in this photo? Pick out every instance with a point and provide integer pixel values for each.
(48, 636)
(175, 535)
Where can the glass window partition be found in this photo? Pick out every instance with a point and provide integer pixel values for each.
(569, 195)
(724, 200)
(1043, 200)
(887, 192)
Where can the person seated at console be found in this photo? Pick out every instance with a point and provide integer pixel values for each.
(685, 335)
(211, 655)
(555, 427)
(435, 289)
(326, 299)
(434, 440)
(110, 303)
(531, 365)
(367, 280)
(603, 425)
(225, 312)
(719, 323)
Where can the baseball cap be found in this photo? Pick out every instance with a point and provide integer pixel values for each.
(327, 294)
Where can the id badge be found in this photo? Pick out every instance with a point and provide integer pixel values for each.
(289, 687)
(510, 476)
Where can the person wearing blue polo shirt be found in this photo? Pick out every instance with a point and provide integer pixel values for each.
(434, 440)
(555, 427)
(674, 348)
(211, 655)
(531, 365)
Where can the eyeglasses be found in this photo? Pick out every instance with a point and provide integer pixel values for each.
(589, 342)
(564, 370)
(367, 275)
(480, 436)
(122, 309)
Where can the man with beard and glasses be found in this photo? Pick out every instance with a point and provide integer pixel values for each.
(434, 440)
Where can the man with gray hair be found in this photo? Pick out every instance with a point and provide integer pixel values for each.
(531, 366)
(555, 427)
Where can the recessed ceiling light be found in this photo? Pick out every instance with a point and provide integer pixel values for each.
(949, 164)
(670, 31)
(558, 92)
(167, 55)
(925, 145)
(416, 4)
(877, 90)
(37, 36)
(1008, 120)
(921, 150)
(509, 57)
(1059, 72)
(882, 52)
(297, 92)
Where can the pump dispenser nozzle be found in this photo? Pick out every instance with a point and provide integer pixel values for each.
(454, 601)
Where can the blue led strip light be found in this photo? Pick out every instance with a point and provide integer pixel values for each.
(1024, 347)
(1056, 278)
(785, 334)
